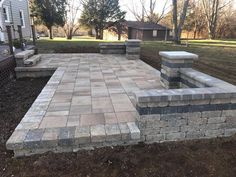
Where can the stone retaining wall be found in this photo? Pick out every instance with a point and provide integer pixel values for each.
(204, 108)
(131, 48)
(112, 48)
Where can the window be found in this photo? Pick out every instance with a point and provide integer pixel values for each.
(6, 13)
(22, 19)
(154, 33)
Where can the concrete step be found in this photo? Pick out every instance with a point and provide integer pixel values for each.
(32, 61)
(24, 54)
(25, 142)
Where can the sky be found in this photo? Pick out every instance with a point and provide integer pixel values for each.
(131, 4)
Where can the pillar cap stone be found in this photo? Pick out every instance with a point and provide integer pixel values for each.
(178, 55)
(133, 40)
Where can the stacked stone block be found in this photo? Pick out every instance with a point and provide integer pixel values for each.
(204, 113)
(172, 62)
(133, 49)
(112, 48)
(22, 56)
(27, 58)
(205, 107)
(26, 142)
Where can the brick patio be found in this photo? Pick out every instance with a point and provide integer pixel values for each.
(86, 103)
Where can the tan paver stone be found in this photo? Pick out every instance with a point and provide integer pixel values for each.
(16, 139)
(57, 113)
(54, 121)
(73, 121)
(61, 98)
(81, 100)
(126, 116)
(27, 125)
(112, 132)
(101, 105)
(50, 137)
(110, 118)
(82, 109)
(98, 133)
(119, 98)
(125, 132)
(92, 119)
(119, 107)
(82, 135)
(59, 107)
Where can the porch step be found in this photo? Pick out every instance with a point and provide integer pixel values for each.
(67, 139)
(24, 54)
(32, 61)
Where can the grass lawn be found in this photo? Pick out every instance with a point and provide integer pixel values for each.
(76, 45)
(217, 57)
(218, 61)
(219, 43)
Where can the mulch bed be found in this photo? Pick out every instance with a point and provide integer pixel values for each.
(216, 157)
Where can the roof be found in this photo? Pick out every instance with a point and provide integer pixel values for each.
(145, 25)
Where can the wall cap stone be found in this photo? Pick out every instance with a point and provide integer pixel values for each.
(178, 55)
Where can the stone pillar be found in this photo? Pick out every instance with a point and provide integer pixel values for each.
(172, 62)
(133, 49)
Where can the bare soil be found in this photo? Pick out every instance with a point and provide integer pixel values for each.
(201, 158)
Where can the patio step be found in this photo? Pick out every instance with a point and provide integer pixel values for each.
(24, 54)
(68, 139)
(32, 61)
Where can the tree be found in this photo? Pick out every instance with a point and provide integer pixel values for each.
(212, 9)
(118, 27)
(226, 27)
(148, 15)
(178, 24)
(71, 25)
(50, 12)
(195, 19)
(98, 13)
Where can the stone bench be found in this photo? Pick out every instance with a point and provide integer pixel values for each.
(131, 48)
(112, 48)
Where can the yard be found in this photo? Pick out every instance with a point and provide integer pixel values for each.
(215, 157)
(217, 57)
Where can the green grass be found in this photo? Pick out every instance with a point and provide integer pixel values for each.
(217, 61)
(46, 45)
(217, 43)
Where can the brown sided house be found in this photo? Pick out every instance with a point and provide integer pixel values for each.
(144, 31)
(147, 31)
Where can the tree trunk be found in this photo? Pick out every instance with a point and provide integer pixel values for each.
(175, 22)
(70, 34)
(50, 32)
(178, 28)
(119, 36)
(96, 31)
(194, 34)
(101, 33)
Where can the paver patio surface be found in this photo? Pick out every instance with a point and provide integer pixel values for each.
(86, 90)
(94, 89)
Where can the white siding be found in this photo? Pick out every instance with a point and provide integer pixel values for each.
(15, 6)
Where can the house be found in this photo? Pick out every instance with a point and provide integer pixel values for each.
(147, 31)
(13, 13)
(144, 31)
